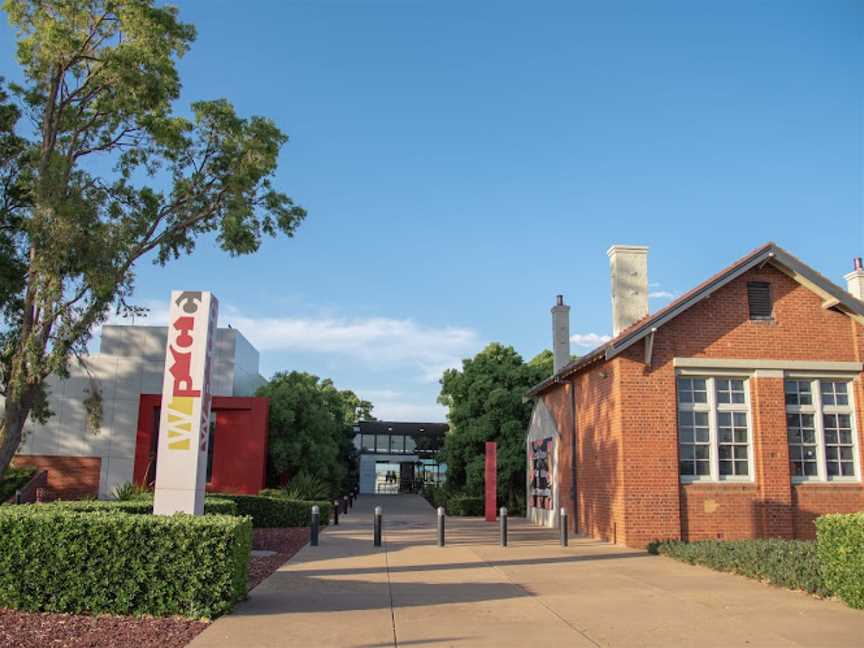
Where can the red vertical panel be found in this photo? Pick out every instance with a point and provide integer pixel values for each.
(491, 482)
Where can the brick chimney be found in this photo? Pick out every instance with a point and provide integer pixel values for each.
(628, 267)
(855, 279)
(560, 334)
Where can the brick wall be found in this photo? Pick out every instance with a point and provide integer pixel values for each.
(627, 459)
(599, 449)
(68, 477)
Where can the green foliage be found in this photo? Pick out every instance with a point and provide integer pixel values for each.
(485, 404)
(310, 429)
(307, 487)
(139, 506)
(56, 559)
(129, 491)
(436, 495)
(840, 545)
(278, 512)
(105, 174)
(787, 563)
(14, 479)
(460, 505)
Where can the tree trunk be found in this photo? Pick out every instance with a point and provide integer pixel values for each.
(11, 427)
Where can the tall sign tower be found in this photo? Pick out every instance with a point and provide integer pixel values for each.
(184, 422)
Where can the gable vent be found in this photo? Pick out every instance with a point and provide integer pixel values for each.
(759, 299)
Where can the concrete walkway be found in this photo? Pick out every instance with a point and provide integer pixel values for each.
(473, 593)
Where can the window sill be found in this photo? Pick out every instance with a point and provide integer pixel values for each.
(708, 484)
(832, 483)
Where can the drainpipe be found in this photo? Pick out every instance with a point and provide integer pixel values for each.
(573, 492)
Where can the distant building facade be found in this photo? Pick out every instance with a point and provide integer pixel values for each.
(397, 457)
(128, 372)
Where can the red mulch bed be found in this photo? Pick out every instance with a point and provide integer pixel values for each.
(34, 630)
(285, 542)
(49, 630)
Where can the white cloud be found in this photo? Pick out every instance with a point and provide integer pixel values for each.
(409, 411)
(661, 294)
(589, 339)
(376, 341)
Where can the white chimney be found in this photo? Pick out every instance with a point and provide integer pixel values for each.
(855, 280)
(560, 334)
(628, 266)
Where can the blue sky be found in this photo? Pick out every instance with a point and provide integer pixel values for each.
(462, 163)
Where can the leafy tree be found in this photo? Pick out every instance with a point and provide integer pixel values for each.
(485, 404)
(106, 174)
(311, 425)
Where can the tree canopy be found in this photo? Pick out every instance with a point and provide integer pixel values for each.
(97, 171)
(311, 428)
(485, 403)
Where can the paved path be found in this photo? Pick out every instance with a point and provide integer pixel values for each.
(411, 593)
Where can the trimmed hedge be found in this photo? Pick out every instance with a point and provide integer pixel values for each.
(212, 506)
(57, 559)
(277, 512)
(840, 546)
(464, 505)
(788, 563)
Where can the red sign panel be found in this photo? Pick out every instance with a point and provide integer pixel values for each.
(491, 482)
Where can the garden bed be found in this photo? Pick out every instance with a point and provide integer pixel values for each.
(284, 542)
(46, 630)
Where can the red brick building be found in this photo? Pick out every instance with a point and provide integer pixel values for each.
(733, 412)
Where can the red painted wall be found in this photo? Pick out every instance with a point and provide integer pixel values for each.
(239, 449)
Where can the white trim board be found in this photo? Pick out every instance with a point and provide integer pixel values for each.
(748, 364)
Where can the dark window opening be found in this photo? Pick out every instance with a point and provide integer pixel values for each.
(759, 299)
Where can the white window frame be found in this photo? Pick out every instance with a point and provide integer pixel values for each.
(817, 409)
(712, 407)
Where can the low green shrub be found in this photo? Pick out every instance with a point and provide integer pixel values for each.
(14, 479)
(129, 491)
(788, 563)
(212, 506)
(464, 505)
(276, 512)
(58, 559)
(436, 495)
(308, 487)
(840, 546)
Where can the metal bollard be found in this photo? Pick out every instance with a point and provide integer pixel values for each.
(17, 496)
(345, 504)
(563, 523)
(336, 506)
(316, 524)
(377, 522)
(440, 526)
(503, 514)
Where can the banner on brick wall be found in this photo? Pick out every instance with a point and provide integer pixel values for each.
(541, 477)
(184, 421)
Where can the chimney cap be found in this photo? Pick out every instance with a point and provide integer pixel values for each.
(559, 300)
(632, 249)
(857, 264)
